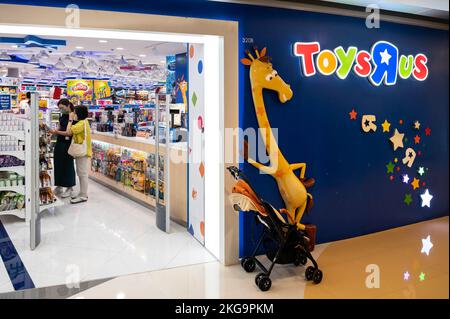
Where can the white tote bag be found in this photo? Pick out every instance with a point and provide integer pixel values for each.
(79, 150)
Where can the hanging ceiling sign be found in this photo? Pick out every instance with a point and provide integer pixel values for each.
(383, 64)
(31, 41)
(7, 81)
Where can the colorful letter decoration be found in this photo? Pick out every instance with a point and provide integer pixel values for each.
(410, 156)
(383, 64)
(368, 123)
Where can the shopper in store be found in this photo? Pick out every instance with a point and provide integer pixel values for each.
(81, 148)
(25, 104)
(64, 168)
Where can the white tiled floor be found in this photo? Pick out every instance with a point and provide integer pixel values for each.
(207, 280)
(5, 283)
(107, 236)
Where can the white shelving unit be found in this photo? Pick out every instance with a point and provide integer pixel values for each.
(20, 213)
(14, 169)
(19, 154)
(16, 189)
(23, 155)
(49, 170)
(58, 203)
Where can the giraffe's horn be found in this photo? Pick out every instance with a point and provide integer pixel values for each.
(263, 52)
(250, 55)
(256, 51)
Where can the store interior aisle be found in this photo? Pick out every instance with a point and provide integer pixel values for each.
(106, 237)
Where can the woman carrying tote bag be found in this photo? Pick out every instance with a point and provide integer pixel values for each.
(80, 149)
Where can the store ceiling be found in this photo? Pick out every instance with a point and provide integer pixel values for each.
(435, 9)
(429, 8)
(127, 61)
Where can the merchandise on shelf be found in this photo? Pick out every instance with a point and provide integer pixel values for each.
(46, 196)
(11, 144)
(45, 179)
(8, 179)
(45, 145)
(10, 161)
(11, 201)
(134, 169)
(9, 123)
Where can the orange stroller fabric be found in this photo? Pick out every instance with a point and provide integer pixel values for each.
(241, 187)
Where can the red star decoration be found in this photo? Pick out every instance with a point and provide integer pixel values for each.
(398, 168)
(401, 122)
(391, 177)
(423, 184)
(353, 114)
(416, 139)
(427, 131)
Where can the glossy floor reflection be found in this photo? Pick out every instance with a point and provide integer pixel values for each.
(344, 264)
(106, 237)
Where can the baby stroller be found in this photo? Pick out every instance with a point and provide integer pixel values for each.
(284, 243)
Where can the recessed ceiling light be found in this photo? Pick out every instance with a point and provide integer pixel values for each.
(162, 61)
(120, 49)
(102, 41)
(14, 46)
(142, 55)
(79, 48)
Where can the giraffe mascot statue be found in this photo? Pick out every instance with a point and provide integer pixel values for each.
(292, 241)
(292, 188)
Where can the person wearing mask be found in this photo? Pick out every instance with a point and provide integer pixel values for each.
(64, 168)
(80, 132)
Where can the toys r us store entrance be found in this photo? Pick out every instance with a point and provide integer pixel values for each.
(155, 187)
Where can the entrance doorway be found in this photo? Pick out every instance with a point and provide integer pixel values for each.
(67, 230)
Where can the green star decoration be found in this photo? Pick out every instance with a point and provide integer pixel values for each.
(422, 276)
(421, 171)
(390, 167)
(408, 199)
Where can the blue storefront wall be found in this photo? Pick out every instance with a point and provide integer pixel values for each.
(353, 193)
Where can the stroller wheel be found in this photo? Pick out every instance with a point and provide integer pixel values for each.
(318, 275)
(300, 259)
(309, 273)
(263, 282)
(248, 263)
(258, 277)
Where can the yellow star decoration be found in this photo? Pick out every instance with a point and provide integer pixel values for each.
(417, 125)
(397, 139)
(415, 183)
(386, 126)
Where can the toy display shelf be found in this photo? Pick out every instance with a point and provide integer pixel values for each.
(16, 189)
(49, 155)
(178, 172)
(20, 170)
(19, 154)
(20, 135)
(20, 213)
(57, 203)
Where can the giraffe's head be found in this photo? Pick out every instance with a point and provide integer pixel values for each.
(264, 76)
